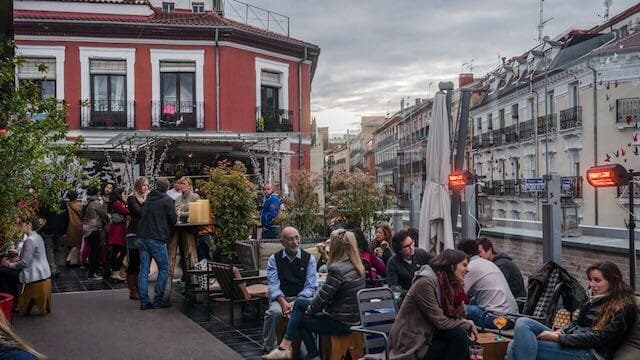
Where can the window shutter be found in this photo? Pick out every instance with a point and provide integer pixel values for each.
(177, 66)
(270, 78)
(30, 68)
(116, 67)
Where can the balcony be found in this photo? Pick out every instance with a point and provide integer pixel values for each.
(385, 142)
(511, 134)
(499, 137)
(476, 142)
(274, 120)
(628, 111)
(170, 114)
(548, 126)
(106, 114)
(525, 130)
(487, 138)
(571, 118)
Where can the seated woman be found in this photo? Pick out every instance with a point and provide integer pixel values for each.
(599, 330)
(335, 307)
(373, 265)
(380, 243)
(431, 323)
(32, 264)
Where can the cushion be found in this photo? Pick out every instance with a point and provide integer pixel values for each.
(258, 290)
(266, 250)
(242, 287)
(313, 250)
(630, 348)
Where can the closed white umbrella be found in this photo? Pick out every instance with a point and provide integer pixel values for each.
(436, 233)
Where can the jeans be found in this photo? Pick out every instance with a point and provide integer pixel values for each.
(272, 318)
(306, 326)
(51, 244)
(156, 249)
(94, 252)
(450, 345)
(16, 354)
(476, 314)
(526, 346)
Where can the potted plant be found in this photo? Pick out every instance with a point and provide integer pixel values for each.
(302, 208)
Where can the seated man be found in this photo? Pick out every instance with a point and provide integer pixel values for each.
(487, 287)
(292, 274)
(406, 261)
(505, 263)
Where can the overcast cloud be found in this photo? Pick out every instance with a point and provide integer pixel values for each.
(373, 52)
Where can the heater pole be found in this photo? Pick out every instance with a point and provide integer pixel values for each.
(632, 235)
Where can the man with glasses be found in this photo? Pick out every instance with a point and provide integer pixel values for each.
(406, 261)
(291, 274)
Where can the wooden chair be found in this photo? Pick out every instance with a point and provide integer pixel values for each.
(337, 347)
(193, 290)
(235, 289)
(377, 309)
(247, 255)
(38, 293)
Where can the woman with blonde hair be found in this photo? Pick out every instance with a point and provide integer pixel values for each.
(135, 201)
(335, 307)
(185, 187)
(12, 346)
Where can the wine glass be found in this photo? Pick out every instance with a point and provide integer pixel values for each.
(500, 321)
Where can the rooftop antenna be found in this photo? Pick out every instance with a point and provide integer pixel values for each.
(462, 67)
(542, 22)
(471, 65)
(607, 6)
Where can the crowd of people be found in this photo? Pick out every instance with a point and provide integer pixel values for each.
(443, 299)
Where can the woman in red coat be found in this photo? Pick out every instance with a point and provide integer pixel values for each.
(116, 238)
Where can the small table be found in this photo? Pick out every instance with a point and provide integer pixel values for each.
(183, 235)
(493, 350)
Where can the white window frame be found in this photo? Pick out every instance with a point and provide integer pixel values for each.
(573, 102)
(158, 55)
(127, 54)
(35, 51)
(278, 67)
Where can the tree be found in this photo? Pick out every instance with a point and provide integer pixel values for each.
(301, 210)
(231, 195)
(34, 150)
(356, 200)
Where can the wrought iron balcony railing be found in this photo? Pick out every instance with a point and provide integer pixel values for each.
(511, 134)
(111, 114)
(170, 114)
(525, 130)
(274, 120)
(548, 126)
(499, 137)
(571, 118)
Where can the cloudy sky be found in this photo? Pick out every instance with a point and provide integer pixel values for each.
(375, 52)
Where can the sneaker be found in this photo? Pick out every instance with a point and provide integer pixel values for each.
(161, 304)
(277, 354)
(94, 277)
(147, 306)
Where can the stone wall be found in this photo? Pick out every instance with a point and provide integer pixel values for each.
(528, 256)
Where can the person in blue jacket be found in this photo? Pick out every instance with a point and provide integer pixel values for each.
(269, 212)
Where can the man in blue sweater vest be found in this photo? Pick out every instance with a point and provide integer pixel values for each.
(291, 273)
(269, 212)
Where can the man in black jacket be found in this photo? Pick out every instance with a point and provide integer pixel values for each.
(406, 261)
(157, 218)
(505, 263)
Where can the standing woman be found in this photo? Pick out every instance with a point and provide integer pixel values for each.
(380, 243)
(334, 309)
(601, 327)
(94, 219)
(117, 231)
(185, 187)
(431, 323)
(73, 237)
(135, 202)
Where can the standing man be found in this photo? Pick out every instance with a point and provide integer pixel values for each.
(52, 232)
(292, 274)
(157, 218)
(505, 263)
(406, 261)
(269, 212)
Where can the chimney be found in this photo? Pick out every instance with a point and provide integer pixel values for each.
(402, 104)
(465, 79)
(418, 101)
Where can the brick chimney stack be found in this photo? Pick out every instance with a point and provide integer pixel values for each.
(465, 79)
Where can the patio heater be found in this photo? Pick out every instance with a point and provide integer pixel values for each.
(465, 181)
(552, 220)
(485, 210)
(617, 175)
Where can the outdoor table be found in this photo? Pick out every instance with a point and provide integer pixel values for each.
(493, 350)
(183, 235)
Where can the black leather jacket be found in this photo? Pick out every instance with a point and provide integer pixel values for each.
(580, 334)
(338, 295)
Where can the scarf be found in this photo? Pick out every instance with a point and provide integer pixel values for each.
(453, 296)
(595, 298)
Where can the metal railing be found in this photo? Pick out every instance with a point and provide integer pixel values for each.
(112, 114)
(547, 127)
(628, 110)
(571, 118)
(525, 130)
(169, 114)
(274, 120)
(487, 138)
(385, 142)
(256, 16)
(499, 137)
(511, 134)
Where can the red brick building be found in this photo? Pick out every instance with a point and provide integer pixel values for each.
(178, 70)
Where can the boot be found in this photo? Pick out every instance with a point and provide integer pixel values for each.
(132, 284)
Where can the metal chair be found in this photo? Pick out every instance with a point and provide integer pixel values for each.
(377, 309)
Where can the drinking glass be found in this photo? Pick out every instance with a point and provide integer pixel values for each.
(500, 321)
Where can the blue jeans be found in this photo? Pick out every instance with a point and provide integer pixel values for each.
(306, 326)
(16, 354)
(476, 314)
(156, 249)
(526, 346)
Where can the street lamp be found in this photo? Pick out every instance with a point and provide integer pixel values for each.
(617, 175)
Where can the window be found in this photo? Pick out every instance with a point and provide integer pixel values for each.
(530, 108)
(573, 94)
(108, 92)
(197, 7)
(42, 73)
(490, 121)
(514, 114)
(177, 94)
(501, 118)
(550, 105)
(168, 7)
(516, 168)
